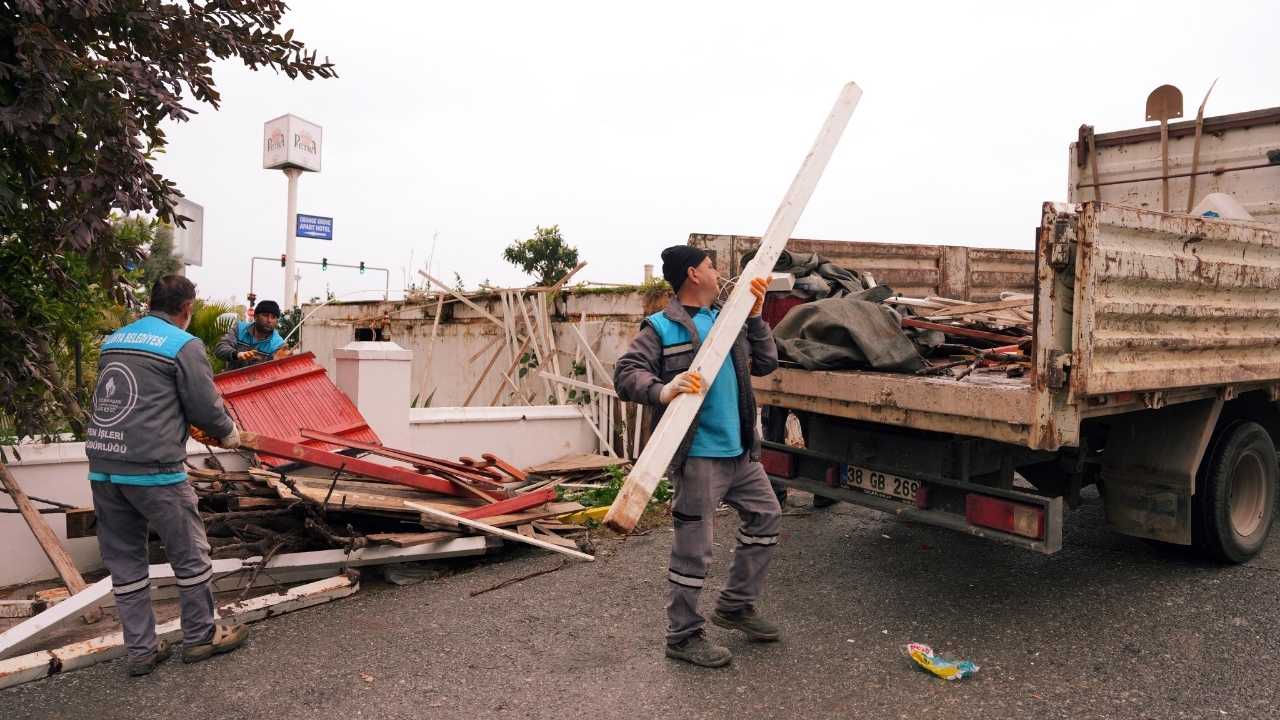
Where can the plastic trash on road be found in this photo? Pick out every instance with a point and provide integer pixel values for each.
(924, 656)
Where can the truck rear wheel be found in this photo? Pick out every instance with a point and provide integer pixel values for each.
(1236, 494)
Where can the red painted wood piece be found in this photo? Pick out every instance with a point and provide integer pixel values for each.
(333, 461)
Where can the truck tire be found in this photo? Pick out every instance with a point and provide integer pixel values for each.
(1235, 495)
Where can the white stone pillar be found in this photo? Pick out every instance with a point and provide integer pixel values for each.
(375, 375)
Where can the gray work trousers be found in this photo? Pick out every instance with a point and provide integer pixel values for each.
(700, 485)
(124, 513)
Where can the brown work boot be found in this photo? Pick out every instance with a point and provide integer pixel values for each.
(225, 639)
(698, 650)
(748, 621)
(145, 666)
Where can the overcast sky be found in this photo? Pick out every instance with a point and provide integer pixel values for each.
(633, 126)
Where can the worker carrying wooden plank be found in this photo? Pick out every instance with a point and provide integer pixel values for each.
(249, 343)
(154, 380)
(719, 459)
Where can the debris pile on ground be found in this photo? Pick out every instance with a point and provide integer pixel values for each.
(327, 500)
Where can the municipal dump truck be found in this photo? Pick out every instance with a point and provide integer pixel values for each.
(1155, 361)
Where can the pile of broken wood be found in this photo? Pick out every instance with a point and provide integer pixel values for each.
(345, 500)
(978, 341)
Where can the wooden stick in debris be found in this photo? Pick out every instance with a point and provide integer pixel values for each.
(980, 308)
(963, 332)
(519, 354)
(483, 376)
(605, 380)
(634, 496)
(483, 313)
(487, 528)
(431, 348)
(48, 541)
(522, 578)
(537, 343)
(487, 347)
(578, 384)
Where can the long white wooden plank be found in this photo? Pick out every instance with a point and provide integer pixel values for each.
(506, 534)
(75, 656)
(657, 455)
(28, 632)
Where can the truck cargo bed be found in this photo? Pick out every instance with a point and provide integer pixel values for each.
(991, 407)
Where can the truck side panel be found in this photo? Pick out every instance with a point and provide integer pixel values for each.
(953, 271)
(1166, 301)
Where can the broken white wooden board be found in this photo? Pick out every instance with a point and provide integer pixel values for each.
(589, 387)
(28, 632)
(380, 554)
(22, 608)
(680, 414)
(75, 656)
(506, 534)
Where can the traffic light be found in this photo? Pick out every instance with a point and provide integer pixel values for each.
(324, 264)
(361, 267)
(282, 259)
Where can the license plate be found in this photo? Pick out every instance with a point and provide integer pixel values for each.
(880, 483)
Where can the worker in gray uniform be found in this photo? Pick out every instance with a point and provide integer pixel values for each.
(719, 458)
(154, 380)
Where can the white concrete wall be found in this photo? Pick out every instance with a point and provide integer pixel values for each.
(57, 471)
(523, 436)
(612, 319)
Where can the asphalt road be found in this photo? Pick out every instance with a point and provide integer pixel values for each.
(1110, 627)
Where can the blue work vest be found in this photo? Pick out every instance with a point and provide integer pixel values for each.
(719, 431)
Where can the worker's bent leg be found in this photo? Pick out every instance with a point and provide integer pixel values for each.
(122, 541)
(752, 496)
(699, 485)
(173, 512)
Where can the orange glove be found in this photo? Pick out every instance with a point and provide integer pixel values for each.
(247, 355)
(759, 286)
(199, 436)
(688, 381)
(284, 351)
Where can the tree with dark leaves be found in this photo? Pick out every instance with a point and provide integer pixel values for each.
(85, 86)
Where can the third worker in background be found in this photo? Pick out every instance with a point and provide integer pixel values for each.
(719, 458)
(249, 343)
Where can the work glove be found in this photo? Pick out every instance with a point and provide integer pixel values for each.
(688, 381)
(232, 440)
(247, 354)
(759, 286)
(284, 351)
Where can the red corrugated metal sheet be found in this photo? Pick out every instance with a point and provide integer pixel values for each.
(281, 397)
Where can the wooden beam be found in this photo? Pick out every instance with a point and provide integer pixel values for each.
(578, 384)
(499, 532)
(483, 375)
(680, 414)
(83, 654)
(465, 301)
(515, 504)
(48, 541)
(519, 354)
(355, 466)
(964, 332)
(437, 464)
(979, 308)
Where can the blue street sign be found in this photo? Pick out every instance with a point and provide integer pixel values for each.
(314, 226)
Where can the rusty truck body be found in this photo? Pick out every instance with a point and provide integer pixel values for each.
(1155, 363)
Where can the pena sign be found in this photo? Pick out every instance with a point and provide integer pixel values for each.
(291, 142)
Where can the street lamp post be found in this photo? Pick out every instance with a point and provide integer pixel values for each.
(293, 145)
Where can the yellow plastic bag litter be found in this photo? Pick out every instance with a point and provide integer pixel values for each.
(946, 669)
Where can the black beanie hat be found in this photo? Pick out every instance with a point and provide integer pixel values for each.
(676, 261)
(267, 306)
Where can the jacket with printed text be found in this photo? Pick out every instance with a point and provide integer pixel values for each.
(154, 380)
